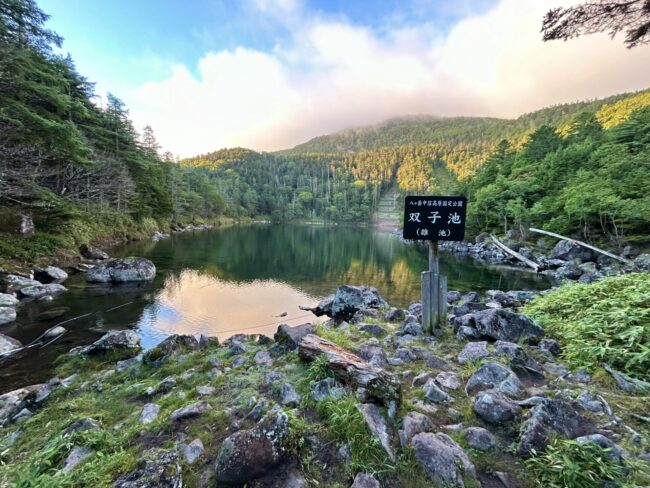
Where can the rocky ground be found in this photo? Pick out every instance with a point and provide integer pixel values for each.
(364, 400)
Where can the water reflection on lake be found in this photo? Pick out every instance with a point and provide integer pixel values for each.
(240, 279)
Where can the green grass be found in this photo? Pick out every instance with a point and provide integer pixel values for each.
(565, 463)
(607, 321)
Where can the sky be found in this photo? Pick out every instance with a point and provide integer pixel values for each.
(270, 74)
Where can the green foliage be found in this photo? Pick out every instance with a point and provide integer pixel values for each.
(568, 463)
(345, 422)
(606, 321)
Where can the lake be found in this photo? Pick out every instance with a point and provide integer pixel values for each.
(239, 279)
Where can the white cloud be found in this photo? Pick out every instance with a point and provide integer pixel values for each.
(335, 75)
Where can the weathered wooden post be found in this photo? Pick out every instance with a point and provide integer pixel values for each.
(433, 219)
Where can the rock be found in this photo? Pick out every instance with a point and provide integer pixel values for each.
(362, 480)
(122, 270)
(414, 423)
(193, 451)
(503, 299)
(250, 454)
(7, 315)
(40, 291)
(421, 379)
(504, 325)
(467, 333)
(442, 460)
(373, 330)
(627, 383)
(453, 296)
(287, 338)
(53, 313)
(205, 390)
(125, 363)
(7, 343)
(435, 394)
(327, 388)
(472, 352)
(76, 456)
(616, 452)
(90, 252)
(494, 407)
(12, 283)
(171, 347)
(348, 301)
(8, 300)
(149, 413)
(378, 427)
(551, 346)
(289, 396)
(190, 411)
(498, 377)
(81, 425)
(568, 272)
(158, 468)
(642, 261)
(551, 417)
(126, 341)
(479, 438)
(589, 402)
(263, 358)
(555, 369)
(569, 251)
(380, 384)
(519, 359)
(411, 326)
(165, 386)
(448, 380)
(394, 315)
(50, 274)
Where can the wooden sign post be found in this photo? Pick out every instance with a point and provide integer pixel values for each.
(433, 219)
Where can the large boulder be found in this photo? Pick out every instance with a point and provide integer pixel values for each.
(50, 274)
(40, 291)
(442, 460)
(7, 315)
(126, 341)
(498, 377)
(122, 270)
(7, 343)
(568, 251)
(12, 283)
(8, 300)
(501, 324)
(250, 454)
(494, 407)
(348, 300)
(551, 417)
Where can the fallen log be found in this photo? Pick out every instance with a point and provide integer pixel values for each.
(380, 384)
(583, 244)
(523, 259)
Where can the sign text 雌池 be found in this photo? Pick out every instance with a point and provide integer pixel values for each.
(433, 218)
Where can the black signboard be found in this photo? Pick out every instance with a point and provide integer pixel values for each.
(431, 218)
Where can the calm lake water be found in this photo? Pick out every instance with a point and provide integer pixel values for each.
(239, 279)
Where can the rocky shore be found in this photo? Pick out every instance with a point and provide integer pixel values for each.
(363, 400)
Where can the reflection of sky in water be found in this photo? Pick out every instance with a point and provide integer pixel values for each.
(193, 303)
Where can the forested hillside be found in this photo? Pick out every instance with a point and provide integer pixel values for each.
(79, 170)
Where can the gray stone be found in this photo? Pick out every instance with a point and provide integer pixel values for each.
(250, 454)
(394, 315)
(616, 452)
(473, 351)
(122, 270)
(568, 272)
(53, 313)
(263, 358)
(442, 460)
(448, 380)
(363, 480)
(421, 379)
(289, 397)
(8, 300)
(494, 407)
(504, 325)
(518, 358)
(190, 411)
(555, 369)
(373, 330)
(414, 423)
(40, 291)
(568, 251)
(12, 283)
(205, 390)
(503, 299)
(435, 394)
(81, 425)
(156, 468)
(90, 252)
(165, 386)
(193, 451)
(348, 301)
(551, 417)
(288, 338)
(8, 343)
(76, 456)
(378, 427)
(590, 403)
(498, 377)
(149, 413)
(327, 388)
(50, 274)
(236, 347)
(405, 355)
(642, 261)
(125, 363)
(126, 341)
(551, 346)
(172, 347)
(479, 438)
(627, 383)
(465, 332)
